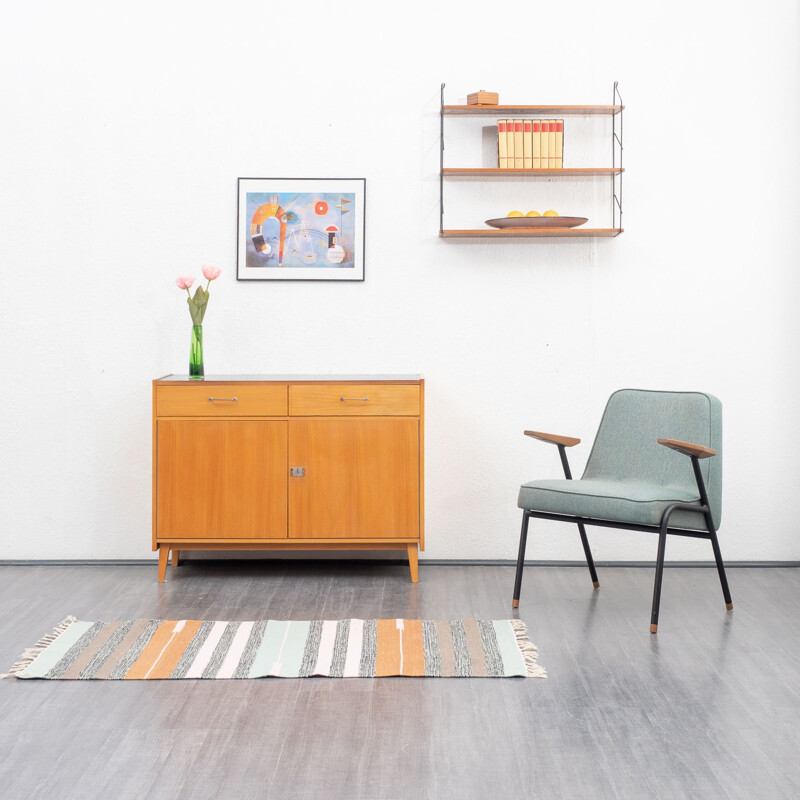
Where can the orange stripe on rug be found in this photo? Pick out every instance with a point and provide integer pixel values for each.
(174, 650)
(163, 633)
(413, 648)
(158, 647)
(387, 661)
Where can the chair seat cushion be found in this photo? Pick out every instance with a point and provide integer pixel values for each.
(622, 501)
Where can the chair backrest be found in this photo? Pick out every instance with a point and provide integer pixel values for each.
(626, 446)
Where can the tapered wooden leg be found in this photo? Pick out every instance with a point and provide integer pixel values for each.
(413, 562)
(176, 555)
(163, 558)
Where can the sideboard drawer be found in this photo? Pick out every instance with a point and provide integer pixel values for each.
(222, 400)
(354, 399)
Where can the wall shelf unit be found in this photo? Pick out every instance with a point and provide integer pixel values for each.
(614, 172)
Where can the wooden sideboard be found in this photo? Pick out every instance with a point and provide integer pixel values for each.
(288, 462)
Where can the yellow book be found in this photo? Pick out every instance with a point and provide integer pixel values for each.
(510, 143)
(536, 137)
(527, 144)
(502, 149)
(518, 146)
(544, 145)
(551, 143)
(559, 144)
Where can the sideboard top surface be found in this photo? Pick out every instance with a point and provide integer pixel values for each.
(291, 379)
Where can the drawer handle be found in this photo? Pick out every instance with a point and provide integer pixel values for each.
(360, 399)
(223, 399)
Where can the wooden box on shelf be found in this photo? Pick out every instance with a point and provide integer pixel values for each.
(483, 98)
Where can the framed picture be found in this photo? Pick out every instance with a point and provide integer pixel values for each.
(301, 229)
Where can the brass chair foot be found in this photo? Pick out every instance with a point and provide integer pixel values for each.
(515, 604)
(654, 629)
(729, 606)
(596, 584)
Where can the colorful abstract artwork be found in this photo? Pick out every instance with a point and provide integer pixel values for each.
(301, 229)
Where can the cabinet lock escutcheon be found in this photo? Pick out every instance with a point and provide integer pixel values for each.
(297, 472)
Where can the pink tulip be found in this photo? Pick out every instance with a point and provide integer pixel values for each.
(184, 281)
(211, 273)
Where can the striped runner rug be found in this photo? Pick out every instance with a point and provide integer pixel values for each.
(152, 649)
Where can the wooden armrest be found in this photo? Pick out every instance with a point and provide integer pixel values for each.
(567, 441)
(688, 449)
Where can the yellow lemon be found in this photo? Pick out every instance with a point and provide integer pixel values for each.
(515, 214)
(551, 213)
(533, 214)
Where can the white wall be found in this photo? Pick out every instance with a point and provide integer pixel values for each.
(123, 130)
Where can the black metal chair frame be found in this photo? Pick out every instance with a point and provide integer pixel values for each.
(663, 530)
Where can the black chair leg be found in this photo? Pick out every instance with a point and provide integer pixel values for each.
(662, 549)
(726, 592)
(588, 551)
(523, 539)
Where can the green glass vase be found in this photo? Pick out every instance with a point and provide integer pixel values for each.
(196, 369)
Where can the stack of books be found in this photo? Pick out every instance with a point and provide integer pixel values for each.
(530, 143)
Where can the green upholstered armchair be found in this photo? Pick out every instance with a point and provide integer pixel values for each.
(655, 466)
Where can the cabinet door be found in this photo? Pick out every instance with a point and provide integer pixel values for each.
(221, 479)
(361, 478)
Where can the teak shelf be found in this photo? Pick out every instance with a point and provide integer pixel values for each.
(614, 171)
(566, 172)
(530, 233)
(566, 111)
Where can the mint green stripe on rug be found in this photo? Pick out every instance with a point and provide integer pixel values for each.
(281, 650)
(293, 649)
(513, 662)
(44, 662)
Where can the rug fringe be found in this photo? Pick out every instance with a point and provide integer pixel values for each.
(29, 656)
(530, 652)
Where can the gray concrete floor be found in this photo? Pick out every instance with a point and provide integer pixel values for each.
(708, 708)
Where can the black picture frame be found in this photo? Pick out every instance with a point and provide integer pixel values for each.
(302, 247)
